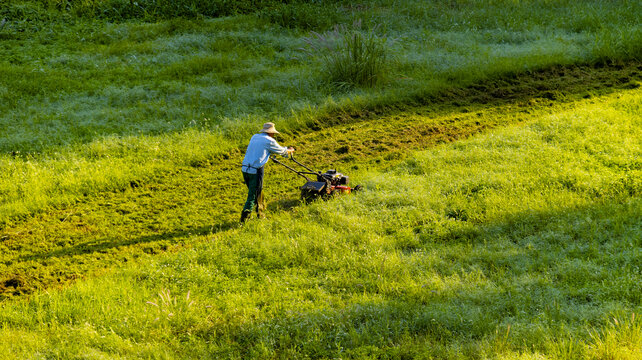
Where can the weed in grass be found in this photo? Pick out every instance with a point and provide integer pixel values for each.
(169, 307)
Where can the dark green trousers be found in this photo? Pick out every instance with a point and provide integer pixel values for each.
(254, 183)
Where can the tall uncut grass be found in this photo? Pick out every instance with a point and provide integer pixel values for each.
(542, 265)
(350, 57)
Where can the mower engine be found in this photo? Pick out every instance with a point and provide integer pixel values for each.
(327, 184)
(334, 177)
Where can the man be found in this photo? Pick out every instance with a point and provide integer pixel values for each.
(258, 152)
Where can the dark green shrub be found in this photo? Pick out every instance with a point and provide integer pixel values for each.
(117, 10)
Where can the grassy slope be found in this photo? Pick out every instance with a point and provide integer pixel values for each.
(523, 242)
(105, 124)
(157, 214)
(88, 107)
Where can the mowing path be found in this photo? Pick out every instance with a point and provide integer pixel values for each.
(176, 208)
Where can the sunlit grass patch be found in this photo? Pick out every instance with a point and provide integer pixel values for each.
(107, 165)
(621, 338)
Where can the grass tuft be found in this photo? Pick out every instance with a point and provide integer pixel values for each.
(621, 339)
(350, 56)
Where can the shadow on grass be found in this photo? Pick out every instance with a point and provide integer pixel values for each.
(105, 244)
(284, 205)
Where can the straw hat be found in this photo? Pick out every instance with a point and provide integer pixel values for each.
(268, 128)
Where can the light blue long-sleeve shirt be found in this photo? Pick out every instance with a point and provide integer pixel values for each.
(259, 150)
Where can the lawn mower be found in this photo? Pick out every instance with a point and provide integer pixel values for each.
(326, 185)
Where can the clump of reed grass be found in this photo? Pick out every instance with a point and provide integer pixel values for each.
(351, 57)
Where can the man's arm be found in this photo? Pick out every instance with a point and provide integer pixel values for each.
(275, 148)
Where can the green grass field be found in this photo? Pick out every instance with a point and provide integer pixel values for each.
(499, 144)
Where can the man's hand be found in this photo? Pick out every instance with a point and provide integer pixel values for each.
(290, 151)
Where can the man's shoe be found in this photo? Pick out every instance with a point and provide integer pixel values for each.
(245, 215)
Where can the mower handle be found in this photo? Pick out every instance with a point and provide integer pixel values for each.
(300, 173)
(307, 168)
